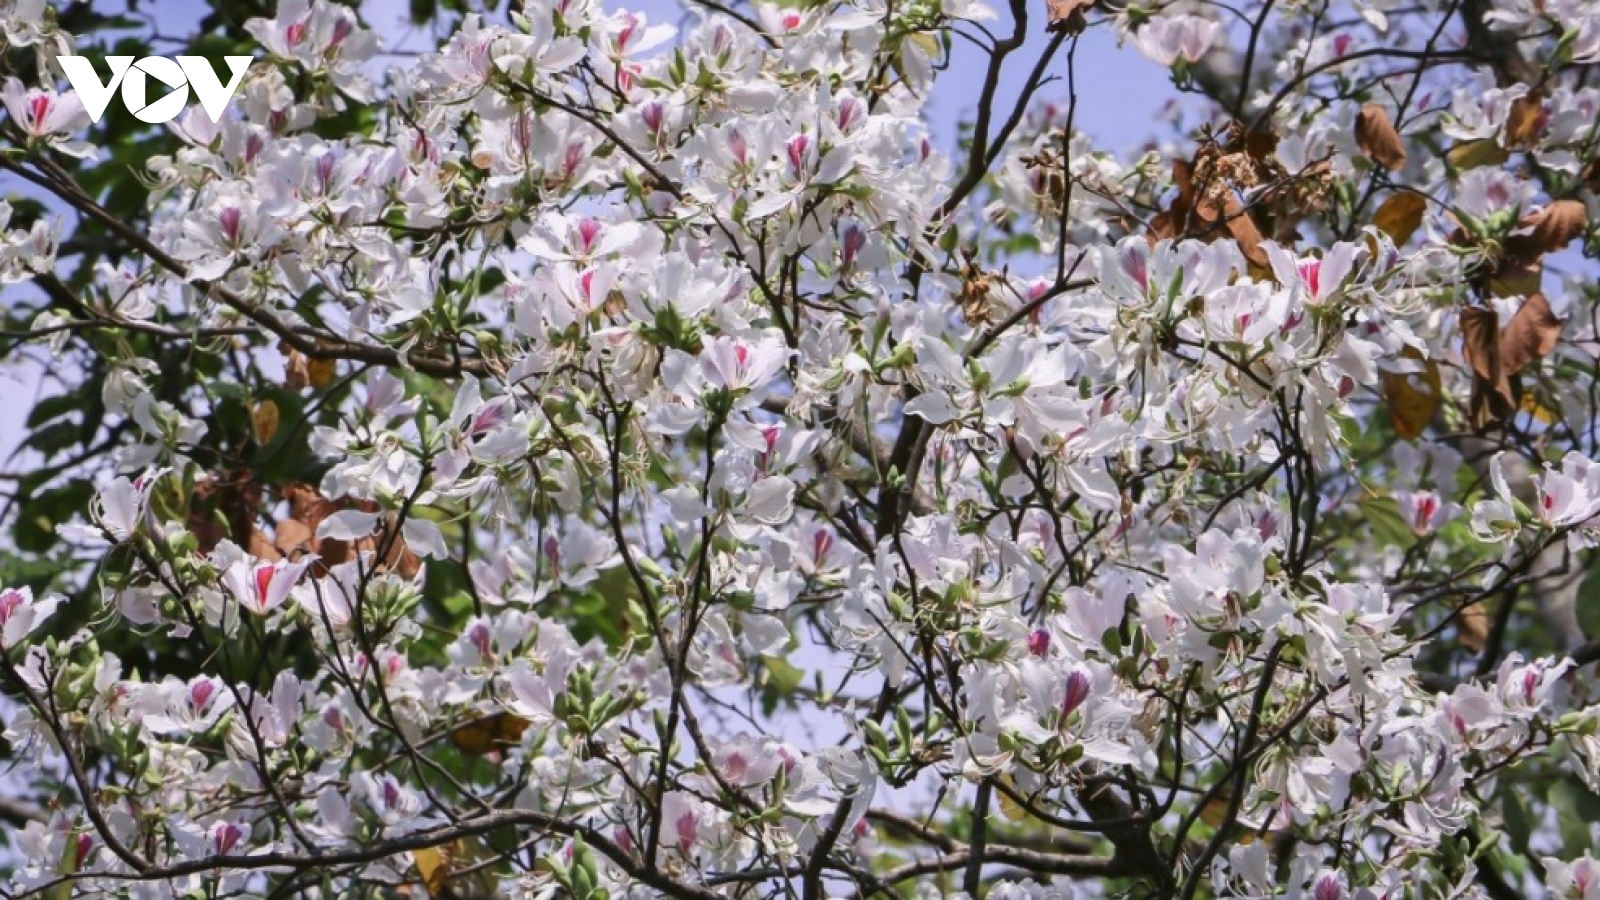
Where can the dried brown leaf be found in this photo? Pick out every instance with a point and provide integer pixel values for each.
(1515, 278)
(261, 547)
(295, 373)
(1475, 154)
(1531, 335)
(1493, 397)
(1262, 145)
(1524, 122)
(1480, 341)
(264, 420)
(294, 537)
(1244, 231)
(433, 868)
(488, 734)
(1377, 138)
(1163, 227)
(321, 372)
(1067, 15)
(1400, 215)
(1412, 397)
(1548, 230)
(1472, 627)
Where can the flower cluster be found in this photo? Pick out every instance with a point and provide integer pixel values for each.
(605, 458)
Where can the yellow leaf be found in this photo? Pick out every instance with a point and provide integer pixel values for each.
(320, 372)
(480, 736)
(433, 867)
(1215, 813)
(264, 421)
(1474, 154)
(1517, 280)
(1010, 808)
(1412, 397)
(1472, 628)
(1532, 406)
(1400, 215)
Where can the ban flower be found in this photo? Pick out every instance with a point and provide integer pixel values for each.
(1167, 39)
(20, 614)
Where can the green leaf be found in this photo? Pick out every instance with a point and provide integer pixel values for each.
(1576, 808)
(1388, 526)
(1589, 600)
(52, 407)
(1516, 819)
(778, 681)
(39, 516)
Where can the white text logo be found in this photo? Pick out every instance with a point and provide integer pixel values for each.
(174, 77)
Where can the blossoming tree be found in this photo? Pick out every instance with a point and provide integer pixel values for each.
(599, 458)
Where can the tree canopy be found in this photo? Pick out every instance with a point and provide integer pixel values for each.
(608, 455)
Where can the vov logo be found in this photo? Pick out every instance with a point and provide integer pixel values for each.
(174, 77)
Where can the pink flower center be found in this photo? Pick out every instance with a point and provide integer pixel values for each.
(325, 171)
(821, 543)
(1311, 273)
(38, 112)
(1427, 506)
(849, 111)
(654, 115)
(1133, 264)
(686, 826)
(200, 694)
(481, 640)
(626, 35)
(264, 574)
(736, 144)
(487, 418)
(1077, 692)
(1039, 642)
(230, 218)
(796, 148)
(226, 837)
(588, 231)
(10, 602)
(855, 237)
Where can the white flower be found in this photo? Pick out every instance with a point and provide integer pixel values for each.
(738, 364)
(259, 586)
(20, 614)
(1165, 39)
(47, 115)
(1577, 880)
(120, 506)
